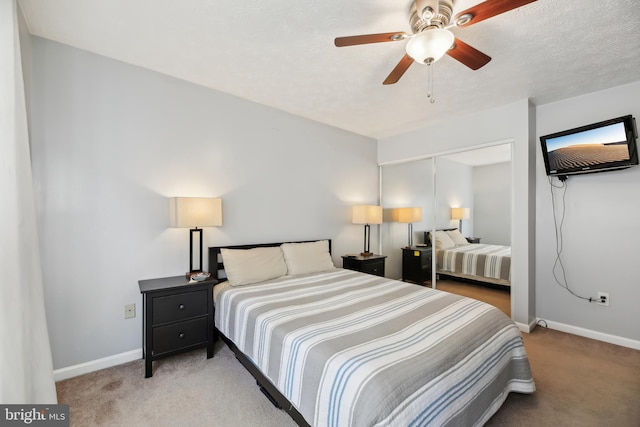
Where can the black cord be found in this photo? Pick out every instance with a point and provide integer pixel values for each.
(539, 323)
(559, 243)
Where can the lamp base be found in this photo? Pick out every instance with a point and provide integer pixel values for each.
(365, 254)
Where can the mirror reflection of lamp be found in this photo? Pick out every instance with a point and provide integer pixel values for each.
(460, 214)
(408, 216)
(194, 212)
(366, 214)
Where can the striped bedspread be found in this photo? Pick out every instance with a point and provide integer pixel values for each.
(352, 349)
(491, 261)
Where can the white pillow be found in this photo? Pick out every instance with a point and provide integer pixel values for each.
(457, 238)
(443, 241)
(246, 266)
(309, 257)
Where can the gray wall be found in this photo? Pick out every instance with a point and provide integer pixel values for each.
(111, 142)
(601, 228)
(405, 185)
(492, 203)
(454, 188)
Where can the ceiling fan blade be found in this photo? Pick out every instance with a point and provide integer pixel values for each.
(370, 38)
(399, 70)
(488, 9)
(469, 56)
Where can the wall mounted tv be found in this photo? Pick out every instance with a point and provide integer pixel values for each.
(597, 147)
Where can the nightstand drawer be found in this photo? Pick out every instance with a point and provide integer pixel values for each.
(178, 307)
(179, 335)
(376, 267)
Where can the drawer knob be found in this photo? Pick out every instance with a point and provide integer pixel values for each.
(181, 335)
(181, 306)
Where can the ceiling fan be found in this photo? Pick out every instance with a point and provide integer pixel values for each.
(430, 21)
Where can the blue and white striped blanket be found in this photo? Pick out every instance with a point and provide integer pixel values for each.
(352, 349)
(480, 260)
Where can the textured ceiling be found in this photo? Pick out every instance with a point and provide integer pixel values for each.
(281, 54)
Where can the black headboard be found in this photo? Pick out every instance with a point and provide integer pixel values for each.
(215, 260)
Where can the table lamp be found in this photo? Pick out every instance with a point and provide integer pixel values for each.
(366, 214)
(195, 212)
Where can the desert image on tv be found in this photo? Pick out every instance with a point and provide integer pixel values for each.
(585, 155)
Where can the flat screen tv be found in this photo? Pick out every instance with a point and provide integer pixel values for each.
(597, 147)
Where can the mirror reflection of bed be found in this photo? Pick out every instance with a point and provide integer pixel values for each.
(481, 180)
(466, 267)
(489, 260)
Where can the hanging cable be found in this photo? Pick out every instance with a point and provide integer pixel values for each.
(558, 265)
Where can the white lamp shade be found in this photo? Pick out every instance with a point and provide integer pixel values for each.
(190, 212)
(430, 45)
(459, 213)
(407, 215)
(365, 214)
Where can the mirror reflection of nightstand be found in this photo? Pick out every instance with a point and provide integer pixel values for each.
(416, 264)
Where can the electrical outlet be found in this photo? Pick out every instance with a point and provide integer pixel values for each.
(129, 311)
(603, 299)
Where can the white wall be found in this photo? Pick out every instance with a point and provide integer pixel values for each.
(111, 142)
(601, 228)
(491, 215)
(510, 123)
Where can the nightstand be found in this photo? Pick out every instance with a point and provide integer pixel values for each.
(473, 239)
(416, 264)
(177, 316)
(373, 264)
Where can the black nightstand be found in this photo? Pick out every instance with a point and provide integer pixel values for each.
(416, 264)
(176, 316)
(373, 264)
(473, 239)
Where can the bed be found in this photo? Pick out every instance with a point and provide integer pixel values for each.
(336, 347)
(456, 257)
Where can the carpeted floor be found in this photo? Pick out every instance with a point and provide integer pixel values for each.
(580, 382)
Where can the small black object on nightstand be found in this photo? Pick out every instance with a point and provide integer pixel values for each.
(372, 264)
(473, 239)
(177, 316)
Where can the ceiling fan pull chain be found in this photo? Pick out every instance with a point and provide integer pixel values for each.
(430, 82)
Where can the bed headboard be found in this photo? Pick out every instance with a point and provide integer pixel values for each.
(427, 233)
(216, 260)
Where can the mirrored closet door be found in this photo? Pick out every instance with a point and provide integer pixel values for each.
(467, 193)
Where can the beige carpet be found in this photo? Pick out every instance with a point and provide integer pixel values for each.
(581, 382)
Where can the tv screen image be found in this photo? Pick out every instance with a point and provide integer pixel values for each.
(588, 148)
(599, 146)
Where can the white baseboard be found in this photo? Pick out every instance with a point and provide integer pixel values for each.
(588, 333)
(96, 365)
(527, 328)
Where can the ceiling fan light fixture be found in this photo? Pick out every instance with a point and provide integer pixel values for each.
(430, 45)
